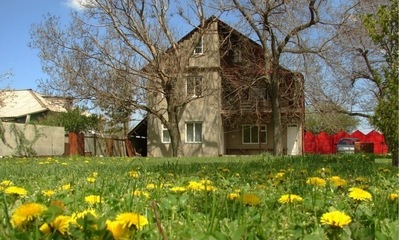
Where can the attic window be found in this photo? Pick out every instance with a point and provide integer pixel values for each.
(199, 47)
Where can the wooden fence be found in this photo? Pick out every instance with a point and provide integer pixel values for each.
(324, 143)
(98, 145)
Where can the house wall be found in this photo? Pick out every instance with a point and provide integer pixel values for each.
(206, 110)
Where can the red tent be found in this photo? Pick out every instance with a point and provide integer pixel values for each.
(323, 143)
(309, 142)
(379, 141)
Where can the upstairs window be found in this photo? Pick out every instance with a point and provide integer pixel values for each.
(254, 134)
(194, 132)
(194, 86)
(199, 49)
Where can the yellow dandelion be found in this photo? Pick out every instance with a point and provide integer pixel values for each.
(251, 199)
(92, 199)
(88, 213)
(335, 219)
(26, 213)
(133, 174)
(91, 179)
(317, 181)
(17, 191)
(338, 181)
(118, 230)
(290, 198)
(359, 194)
(205, 182)
(95, 174)
(60, 224)
(178, 189)
(150, 186)
(233, 196)
(66, 187)
(6, 183)
(138, 193)
(193, 185)
(48, 193)
(393, 196)
(132, 219)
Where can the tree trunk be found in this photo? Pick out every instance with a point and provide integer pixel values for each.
(276, 117)
(174, 133)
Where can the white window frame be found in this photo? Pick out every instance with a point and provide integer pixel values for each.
(165, 133)
(195, 82)
(249, 127)
(199, 48)
(191, 127)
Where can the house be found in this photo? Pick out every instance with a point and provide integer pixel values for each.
(22, 106)
(232, 111)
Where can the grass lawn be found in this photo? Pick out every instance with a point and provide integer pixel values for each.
(242, 197)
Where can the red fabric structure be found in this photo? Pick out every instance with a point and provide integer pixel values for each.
(378, 139)
(324, 143)
(309, 142)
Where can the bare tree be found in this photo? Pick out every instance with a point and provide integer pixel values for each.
(285, 29)
(122, 51)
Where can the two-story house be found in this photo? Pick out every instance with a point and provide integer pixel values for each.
(232, 112)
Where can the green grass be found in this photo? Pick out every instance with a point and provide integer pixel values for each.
(196, 213)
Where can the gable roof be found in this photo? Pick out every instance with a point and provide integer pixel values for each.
(19, 103)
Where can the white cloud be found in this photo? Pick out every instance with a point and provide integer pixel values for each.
(79, 4)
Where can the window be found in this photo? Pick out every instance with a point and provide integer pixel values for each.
(199, 47)
(165, 134)
(194, 86)
(194, 132)
(254, 134)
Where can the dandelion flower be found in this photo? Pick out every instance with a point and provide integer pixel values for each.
(335, 219)
(19, 191)
(91, 179)
(66, 187)
(338, 181)
(92, 199)
(26, 213)
(60, 224)
(132, 219)
(133, 174)
(251, 199)
(81, 215)
(290, 198)
(150, 186)
(233, 196)
(48, 193)
(317, 181)
(6, 183)
(118, 230)
(359, 194)
(393, 196)
(138, 193)
(178, 189)
(95, 174)
(58, 204)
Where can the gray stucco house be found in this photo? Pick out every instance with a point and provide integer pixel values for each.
(234, 117)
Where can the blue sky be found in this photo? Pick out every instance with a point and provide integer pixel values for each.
(16, 19)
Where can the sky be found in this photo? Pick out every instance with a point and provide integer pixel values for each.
(16, 19)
